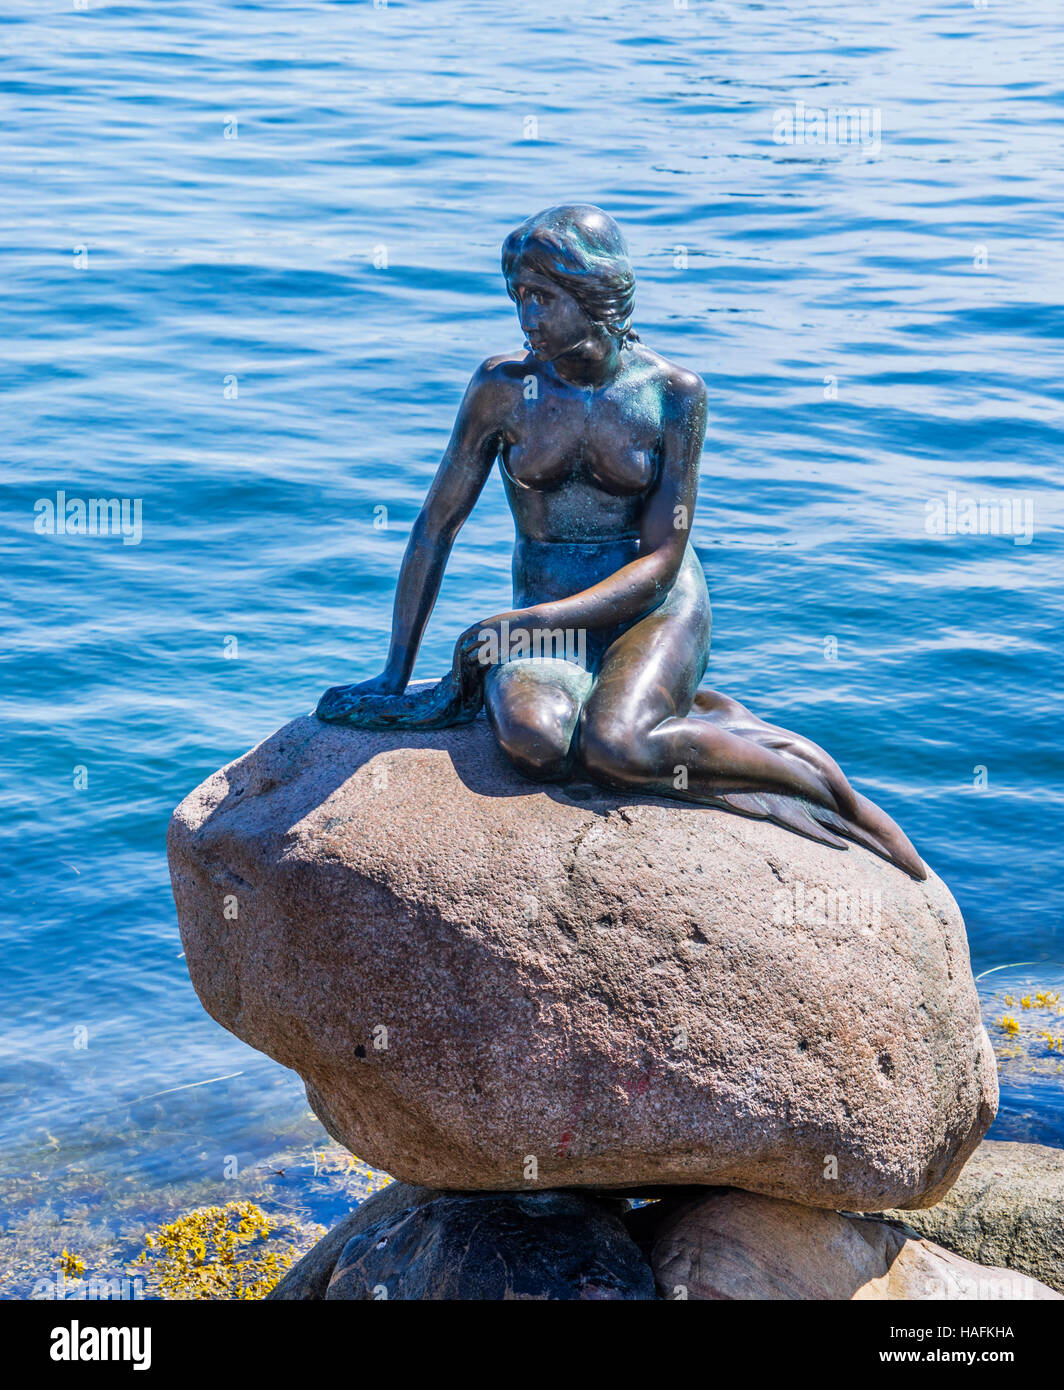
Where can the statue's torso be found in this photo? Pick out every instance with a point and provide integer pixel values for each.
(577, 468)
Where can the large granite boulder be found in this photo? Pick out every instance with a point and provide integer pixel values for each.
(1007, 1208)
(739, 1245)
(488, 984)
(495, 1246)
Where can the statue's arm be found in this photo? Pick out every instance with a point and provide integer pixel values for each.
(639, 587)
(463, 470)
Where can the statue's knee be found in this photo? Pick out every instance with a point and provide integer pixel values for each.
(610, 755)
(536, 737)
(537, 752)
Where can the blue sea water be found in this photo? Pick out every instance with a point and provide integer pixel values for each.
(250, 259)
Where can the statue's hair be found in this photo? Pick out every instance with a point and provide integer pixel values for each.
(582, 249)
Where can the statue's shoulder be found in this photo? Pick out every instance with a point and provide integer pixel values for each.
(682, 385)
(685, 384)
(503, 369)
(498, 379)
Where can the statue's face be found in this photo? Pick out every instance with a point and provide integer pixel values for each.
(551, 319)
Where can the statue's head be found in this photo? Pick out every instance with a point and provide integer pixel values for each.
(568, 272)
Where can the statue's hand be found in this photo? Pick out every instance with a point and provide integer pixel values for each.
(482, 646)
(488, 643)
(471, 659)
(478, 645)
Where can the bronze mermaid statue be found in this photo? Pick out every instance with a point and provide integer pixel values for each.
(599, 441)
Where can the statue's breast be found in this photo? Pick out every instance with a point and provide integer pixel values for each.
(547, 466)
(575, 466)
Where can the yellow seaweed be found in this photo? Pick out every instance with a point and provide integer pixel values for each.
(215, 1253)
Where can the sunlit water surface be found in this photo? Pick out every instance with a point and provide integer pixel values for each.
(250, 260)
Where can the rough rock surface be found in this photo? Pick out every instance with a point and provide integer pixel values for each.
(737, 1245)
(1007, 1208)
(487, 984)
(309, 1277)
(500, 1246)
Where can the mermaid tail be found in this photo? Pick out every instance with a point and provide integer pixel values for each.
(451, 701)
(866, 823)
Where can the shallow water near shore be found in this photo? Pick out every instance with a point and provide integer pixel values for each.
(252, 261)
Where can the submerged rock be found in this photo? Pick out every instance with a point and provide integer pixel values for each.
(1007, 1208)
(490, 984)
(500, 1246)
(737, 1245)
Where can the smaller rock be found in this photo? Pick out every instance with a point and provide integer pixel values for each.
(738, 1245)
(1007, 1208)
(310, 1277)
(499, 1246)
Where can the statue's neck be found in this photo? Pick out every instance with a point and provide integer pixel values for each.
(591, 364)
